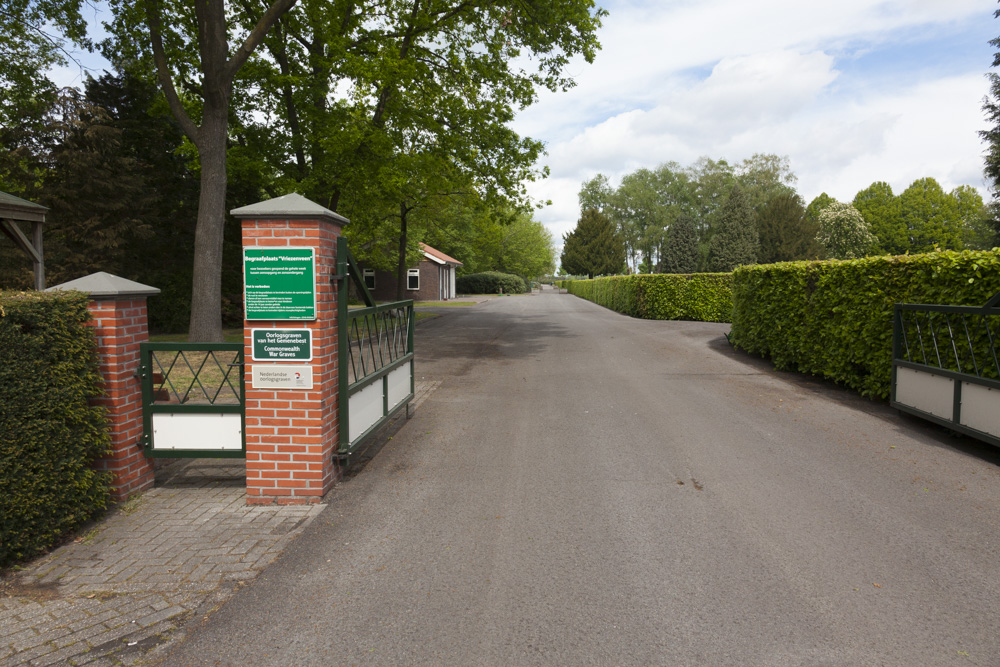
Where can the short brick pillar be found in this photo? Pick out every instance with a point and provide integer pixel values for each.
(118, 309)
(291, 434)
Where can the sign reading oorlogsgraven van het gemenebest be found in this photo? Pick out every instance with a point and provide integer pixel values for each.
(281, 344)
(279, 283)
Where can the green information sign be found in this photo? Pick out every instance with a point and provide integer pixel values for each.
(281, 344)
(279, 283)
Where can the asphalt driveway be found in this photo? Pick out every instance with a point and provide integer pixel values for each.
(585, 488)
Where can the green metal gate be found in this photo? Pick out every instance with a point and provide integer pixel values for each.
(375, 358)
(192, 400)
(945, 366)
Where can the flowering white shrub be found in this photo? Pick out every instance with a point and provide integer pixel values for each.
(844, 232)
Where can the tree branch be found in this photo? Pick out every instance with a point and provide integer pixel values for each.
(274, 12)
(163, 72)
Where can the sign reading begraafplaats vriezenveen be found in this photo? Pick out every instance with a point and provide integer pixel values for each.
(279, 283)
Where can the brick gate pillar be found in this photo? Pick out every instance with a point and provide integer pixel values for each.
(118, 309)
(292, 433)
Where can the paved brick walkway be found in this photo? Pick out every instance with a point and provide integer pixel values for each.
(119, 594)
(120, 591)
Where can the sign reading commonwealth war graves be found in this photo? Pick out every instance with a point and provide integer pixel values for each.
(280, 283)
(281, 344)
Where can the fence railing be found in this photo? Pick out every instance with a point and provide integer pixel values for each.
(377, 338)
(375, 357)
(946, 368)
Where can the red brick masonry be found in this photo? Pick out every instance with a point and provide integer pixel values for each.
(120, 326)
(291, 435)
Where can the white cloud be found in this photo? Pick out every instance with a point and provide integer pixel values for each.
(838, 88)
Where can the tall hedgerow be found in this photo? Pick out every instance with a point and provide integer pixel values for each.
(50, 434)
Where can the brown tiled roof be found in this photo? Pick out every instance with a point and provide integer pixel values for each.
(438, 256)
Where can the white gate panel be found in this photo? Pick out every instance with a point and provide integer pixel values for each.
(197, 431)
(366, 408)
(981, 408)
(933, 394)
(399, 385)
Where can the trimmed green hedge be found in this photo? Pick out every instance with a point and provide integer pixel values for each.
(704, 297)
(490, 282)
(834, 318)
(49, 433)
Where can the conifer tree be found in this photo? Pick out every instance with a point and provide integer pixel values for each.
(736, 242)
(681, 253)
(786, 234)
(594, 247)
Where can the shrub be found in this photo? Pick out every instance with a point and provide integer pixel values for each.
(50, 434)
(834, 318)
(490, 282)
(704, 297)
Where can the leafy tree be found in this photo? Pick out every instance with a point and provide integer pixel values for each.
(881, 210)
(642, 208)
(33, 36)
(383, 112)
(594, 247)
(681, 252)
(764, 177)
(196, 67)
(596, 193)
(974, 219)
(931, 217)
(816, 207)
(786, 234)
(512, 242)
(642, 216)
(736, 242)
(844, 232)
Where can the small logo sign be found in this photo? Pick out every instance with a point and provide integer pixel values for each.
(281, 376)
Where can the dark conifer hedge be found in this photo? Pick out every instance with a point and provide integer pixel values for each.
(50, 435)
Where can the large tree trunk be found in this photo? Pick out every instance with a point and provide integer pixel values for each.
(206, 288)
(401, 266)
(218, 70)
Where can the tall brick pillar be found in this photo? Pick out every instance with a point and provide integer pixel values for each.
(291, 432)
(118, 309)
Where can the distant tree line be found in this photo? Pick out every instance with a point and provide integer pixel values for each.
(713, 216)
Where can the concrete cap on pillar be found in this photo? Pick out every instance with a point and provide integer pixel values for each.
(103, 285)
(289, 207)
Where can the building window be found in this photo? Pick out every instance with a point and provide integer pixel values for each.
(369, 276)
(413, 279)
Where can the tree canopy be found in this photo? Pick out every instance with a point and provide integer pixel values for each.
(375, 111)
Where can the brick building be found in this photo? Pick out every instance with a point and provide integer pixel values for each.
(432, 279)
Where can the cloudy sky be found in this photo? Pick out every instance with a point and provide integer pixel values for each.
(853, 92)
